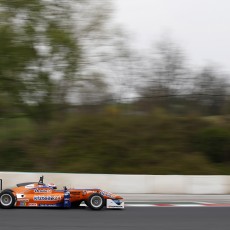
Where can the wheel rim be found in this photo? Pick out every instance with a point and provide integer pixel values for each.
(96, 201)
(6, 200)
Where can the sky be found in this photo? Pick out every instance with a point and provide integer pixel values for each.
(200, 27)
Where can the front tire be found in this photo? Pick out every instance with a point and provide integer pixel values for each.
(7, 199)
(96, 201)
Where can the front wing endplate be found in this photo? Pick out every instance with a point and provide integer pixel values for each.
(119, 204)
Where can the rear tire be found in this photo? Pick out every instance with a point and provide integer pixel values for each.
(7, 199)
(96, 201)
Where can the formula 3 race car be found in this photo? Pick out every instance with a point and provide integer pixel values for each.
(39, 194)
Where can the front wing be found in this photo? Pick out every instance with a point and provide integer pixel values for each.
(115, 204)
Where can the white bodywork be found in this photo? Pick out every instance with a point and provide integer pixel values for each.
(113, 204)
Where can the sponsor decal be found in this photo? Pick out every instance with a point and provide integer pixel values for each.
(32, 204)
(47, 198)
(114, 204)
(49, 205)
(42, 190)
(23, 200)
(20, 195)
(118, 202)
(22, 203)
(108, 194)
(84, 192)
(89, 191)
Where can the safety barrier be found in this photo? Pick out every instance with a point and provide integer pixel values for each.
(152, 184)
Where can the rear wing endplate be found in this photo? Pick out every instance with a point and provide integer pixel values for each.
(0, 184)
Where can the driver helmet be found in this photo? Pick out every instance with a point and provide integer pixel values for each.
(52, 185)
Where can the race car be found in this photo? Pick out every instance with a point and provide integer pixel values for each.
(39, 194)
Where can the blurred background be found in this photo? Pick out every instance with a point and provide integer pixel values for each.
(79, 93)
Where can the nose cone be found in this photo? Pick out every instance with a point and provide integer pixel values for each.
(118, 197)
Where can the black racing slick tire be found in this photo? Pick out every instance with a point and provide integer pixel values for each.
(96, 201)
(7, 199)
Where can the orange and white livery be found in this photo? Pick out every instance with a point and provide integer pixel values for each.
(39, 194)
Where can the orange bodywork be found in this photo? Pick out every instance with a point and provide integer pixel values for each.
(40, 195)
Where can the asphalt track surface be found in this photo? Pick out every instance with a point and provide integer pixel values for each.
(131, 218)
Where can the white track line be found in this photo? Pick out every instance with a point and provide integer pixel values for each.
(205, 203)
(188, 205)
(140, 205)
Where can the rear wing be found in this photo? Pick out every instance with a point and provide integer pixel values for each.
(0, 184)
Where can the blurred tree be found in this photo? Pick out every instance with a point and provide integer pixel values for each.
(123, 67)
(94, 89)
(38, 55)
(168, 69)
(167, 76)
(95, 34)
(46, 48)
(210, 90)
